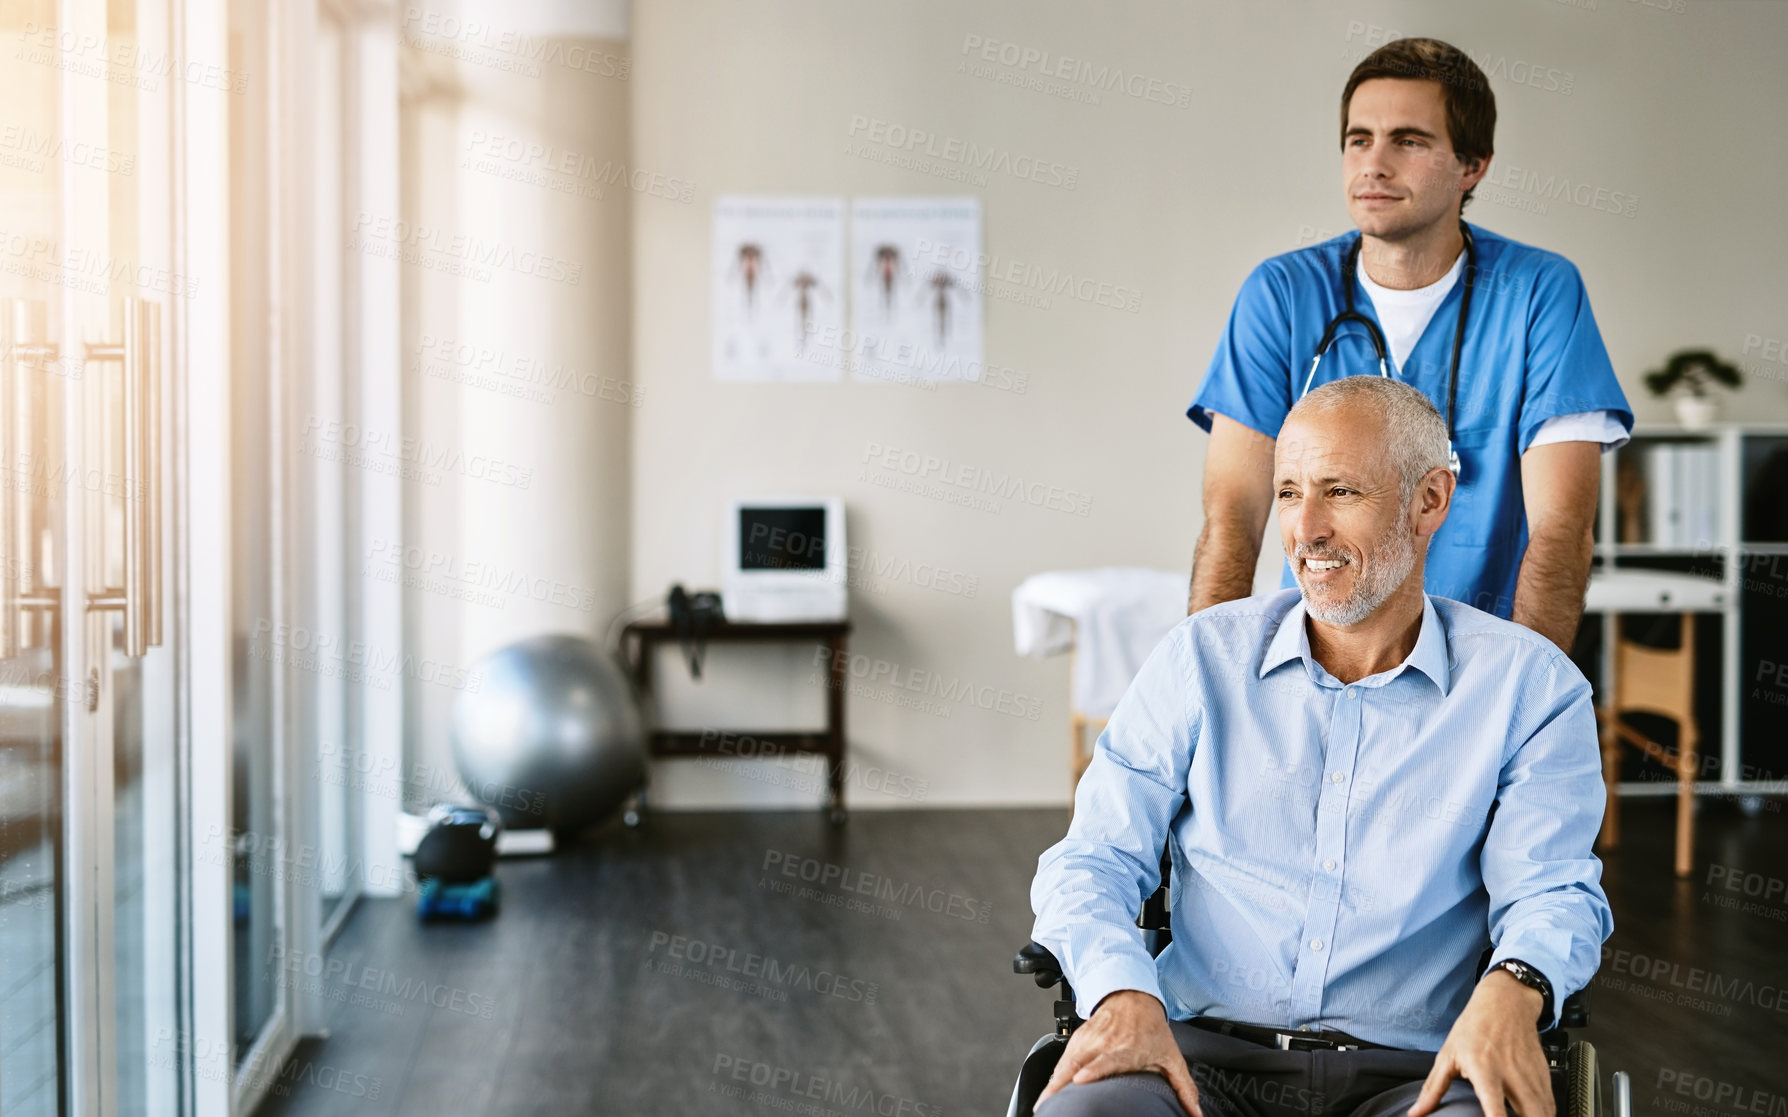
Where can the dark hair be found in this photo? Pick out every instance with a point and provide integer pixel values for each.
(1470, 106)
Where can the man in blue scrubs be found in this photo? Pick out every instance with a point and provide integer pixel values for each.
(1536, 399)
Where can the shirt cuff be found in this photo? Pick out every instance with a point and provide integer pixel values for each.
(1113, 975)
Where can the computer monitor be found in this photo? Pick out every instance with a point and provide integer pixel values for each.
(784, 559)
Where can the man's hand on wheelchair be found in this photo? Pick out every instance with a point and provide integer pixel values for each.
(1494, 1045)
(1126, 1034)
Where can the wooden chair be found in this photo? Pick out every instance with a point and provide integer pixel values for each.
(1659, 681)
(1080, 751)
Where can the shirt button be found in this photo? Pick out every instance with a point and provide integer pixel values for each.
(1315, 944)
(1348, 692)
(1329, 865)
(1336, 777)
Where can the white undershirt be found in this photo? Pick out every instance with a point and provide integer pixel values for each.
(1404, 315)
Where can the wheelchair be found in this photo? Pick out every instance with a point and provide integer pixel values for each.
(1576, 1076)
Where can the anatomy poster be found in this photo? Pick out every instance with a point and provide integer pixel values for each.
(778, 288)
(915, 289)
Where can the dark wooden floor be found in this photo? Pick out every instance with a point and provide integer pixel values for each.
(571, 1002)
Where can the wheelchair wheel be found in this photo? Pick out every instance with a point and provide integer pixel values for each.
(1034, 1075)
(1583, 1082)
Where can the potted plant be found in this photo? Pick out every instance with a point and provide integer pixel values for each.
(1688, 375)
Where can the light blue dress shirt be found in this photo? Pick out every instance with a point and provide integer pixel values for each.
(1342, 855)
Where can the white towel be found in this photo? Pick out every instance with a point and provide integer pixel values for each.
(1112, 616)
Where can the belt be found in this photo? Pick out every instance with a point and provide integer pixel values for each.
(1286, 1041)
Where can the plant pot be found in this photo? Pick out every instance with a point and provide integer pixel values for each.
(1697, 412)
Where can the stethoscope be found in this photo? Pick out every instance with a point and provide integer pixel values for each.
(1377, 335)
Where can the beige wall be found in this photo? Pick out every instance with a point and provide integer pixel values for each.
(1678, 109)
(517, 389)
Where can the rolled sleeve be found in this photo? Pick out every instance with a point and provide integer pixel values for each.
(1601, 427)
(1249, 379)
(1547, 907)
(1568, 370)
(1090, 886)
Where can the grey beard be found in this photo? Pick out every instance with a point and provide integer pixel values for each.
(1392, 560)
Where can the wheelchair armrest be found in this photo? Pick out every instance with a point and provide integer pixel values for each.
(1043, 966)
(1040, 962)
(1574, 1013)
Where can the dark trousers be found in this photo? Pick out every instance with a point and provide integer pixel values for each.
(1240, 1078)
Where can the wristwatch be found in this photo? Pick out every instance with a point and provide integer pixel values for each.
(1531, 978)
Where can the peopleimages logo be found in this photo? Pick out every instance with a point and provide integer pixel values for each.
(427, 245)
(814, 767)
(901, 682)
(749, 964)
(1727, 884)
(790, 1083)
(1047, 280)
(214, 1060)
(965, 483)
(784, 548)
(522, 376)
(964, 154)
(1690, 986)
(1091, 78)
(120, 59)
(565, 169)
(469, 40)
(1731, 1096)
(1530, 185)
(338, 979)
(441, 571)
(902, 894)
(83, 269)
(329, 653)
(35, 147)
(415, 458)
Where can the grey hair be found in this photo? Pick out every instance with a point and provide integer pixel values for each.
(1415, 436)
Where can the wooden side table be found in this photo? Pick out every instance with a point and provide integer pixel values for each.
(641, 637)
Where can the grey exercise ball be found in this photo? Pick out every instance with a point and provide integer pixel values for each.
(552, 738)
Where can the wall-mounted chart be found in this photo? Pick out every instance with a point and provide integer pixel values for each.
(778, 285)
(916, 289)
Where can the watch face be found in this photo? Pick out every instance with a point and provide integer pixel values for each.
(1525, 974)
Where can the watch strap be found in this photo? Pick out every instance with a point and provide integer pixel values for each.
(1531, 977)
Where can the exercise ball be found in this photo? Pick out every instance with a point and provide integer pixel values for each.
(552, 738)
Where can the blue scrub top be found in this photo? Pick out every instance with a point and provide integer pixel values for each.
(1532, 352)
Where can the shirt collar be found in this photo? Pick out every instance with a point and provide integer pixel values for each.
(1290, 641)
(1429, 656)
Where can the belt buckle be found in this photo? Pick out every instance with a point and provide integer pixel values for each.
(1291, 1041)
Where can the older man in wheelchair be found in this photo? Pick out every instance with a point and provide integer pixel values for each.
(1377, 809)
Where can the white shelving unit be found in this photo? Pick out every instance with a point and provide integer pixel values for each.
(1725, 550)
